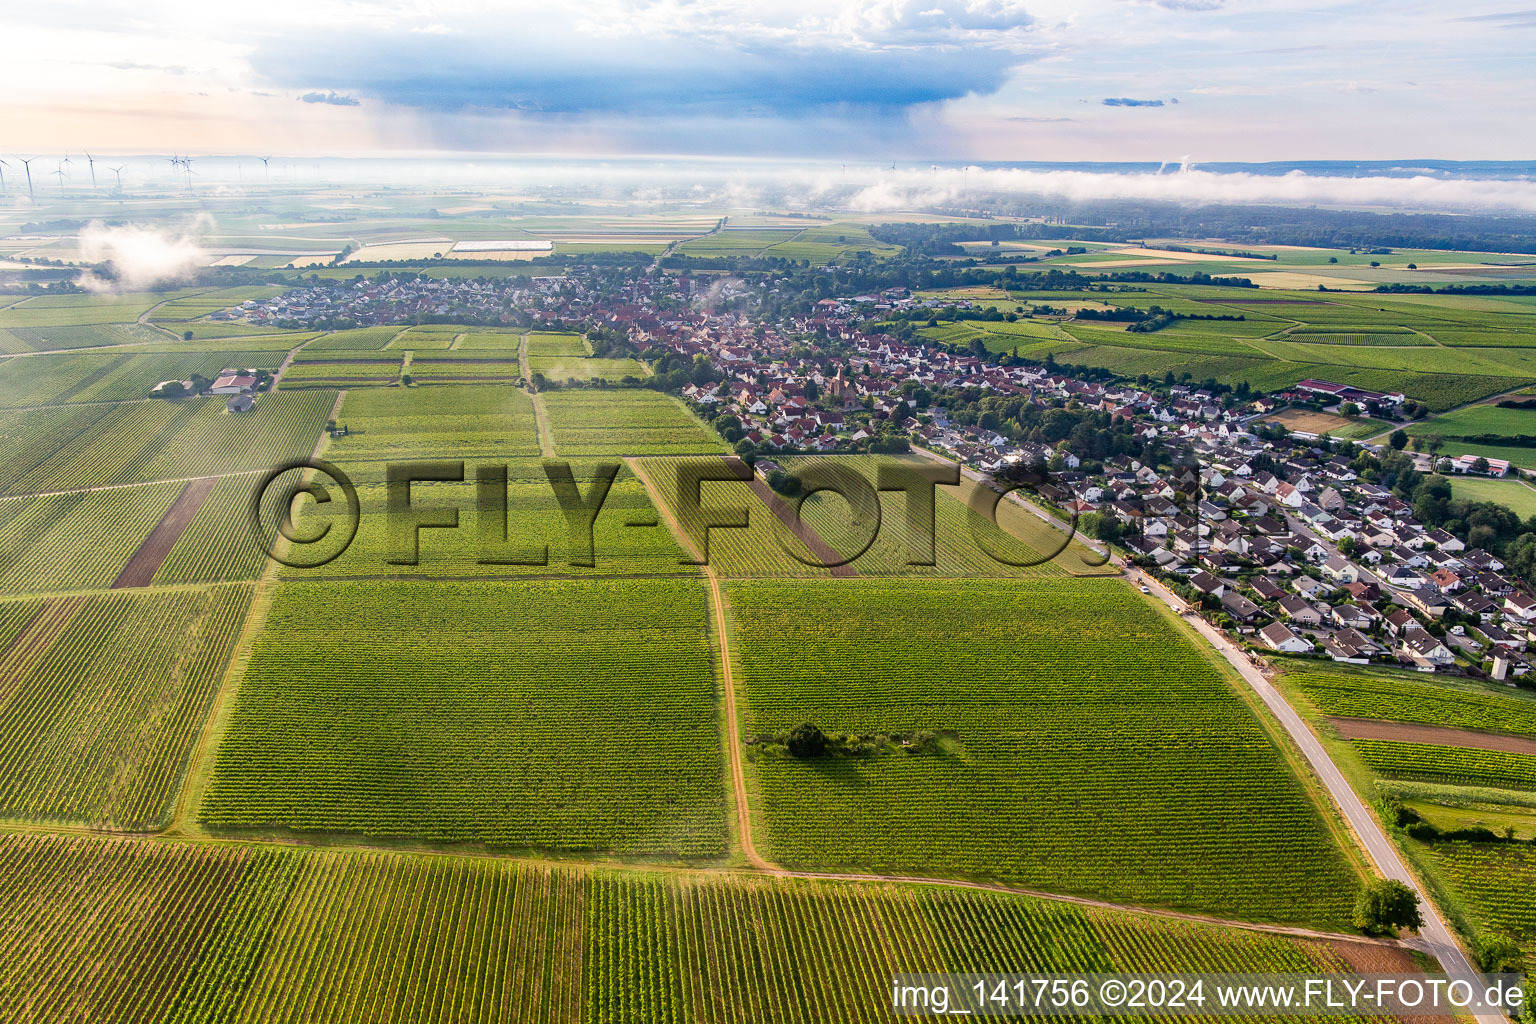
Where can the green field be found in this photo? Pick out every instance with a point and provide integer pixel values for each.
(1082, 745)
(1406, 697)
(564, 368)
(290, 935)
(116, 376)
(454, 712)
(170, 439)
(629, 422)
(1463, 765)
(1516, 494)
(106, 697)
(448, 423)
(1497, 884)
(75, 541)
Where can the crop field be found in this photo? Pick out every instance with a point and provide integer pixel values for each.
(1497, 883)
(363, 339)
(76, 541)
(1023, 539)
(464, 712)
(549, 345)
(283, 935)
(1404, 697)
(1313, 422)
(217, 544)
(340, 373)
(1448, 764)
(106, 696)
(628, 422)
(114, 376)
(1368, 340)
(481, 338)
(45, 339)
(1082, 744)
(450, 423)
(475, 366)
(199, 304)
(534, 539)
(78, 310)
(163, 440)
(562, 368)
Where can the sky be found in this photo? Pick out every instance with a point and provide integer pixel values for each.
(886, 81)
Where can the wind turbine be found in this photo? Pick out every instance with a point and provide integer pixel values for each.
(266, 169)
(3, 166)
(27, 163)
(119, 172)
(60, 173)
(92, 161)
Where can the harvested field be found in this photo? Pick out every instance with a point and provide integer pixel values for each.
(1402, 732)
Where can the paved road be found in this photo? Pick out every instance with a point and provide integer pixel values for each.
(1435, 938)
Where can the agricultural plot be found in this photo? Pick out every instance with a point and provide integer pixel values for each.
(175, 439)
(340, 373)
(422, 340)
(114, 376)
(1404, 697)
(199, 304)
(482, 339)
(1433, 763)
(534, 537)
(563, 715)
(287, 935)
(1477, 420)
(564, 368)
(965, 543)
(363, 339)
(1313, 422)
(76, 541)
(627, 422)
(439, 368)
(1497, 885)
(446, 423)
(78, 309)
(1064, 735)
(106, 696)
(218, 545)
(45, 339)
(550, 345)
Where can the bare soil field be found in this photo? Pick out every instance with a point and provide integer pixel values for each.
(1373, 729)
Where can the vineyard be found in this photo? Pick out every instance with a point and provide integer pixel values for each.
(106, 696)
(279, 935)
(1079, 743)
(448, 423)
(1497, 881)
(218, 543)
(628, 422)
(1448, 764)
(560, 714)
(116, 376)
(534, 528)
(76, 541)
(170, 440)
(1402, 698)
(583, 368)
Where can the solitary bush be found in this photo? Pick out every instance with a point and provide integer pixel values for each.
(806, 740)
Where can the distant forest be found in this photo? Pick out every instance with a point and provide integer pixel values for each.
(1124, 221)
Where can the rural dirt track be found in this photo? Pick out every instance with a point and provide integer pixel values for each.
(146, 561)
(1445, 736)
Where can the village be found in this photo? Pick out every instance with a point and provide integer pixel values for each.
(1281, 542)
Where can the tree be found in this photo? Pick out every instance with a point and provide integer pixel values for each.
(806, 740)
(1385, 905)
(1479, 465)
(1497, 954)
(1349, 410)
(405, 378)
(1398, 439)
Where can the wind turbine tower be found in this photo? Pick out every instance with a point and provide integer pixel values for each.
(92, 161)
(119, 172)
(28, 165)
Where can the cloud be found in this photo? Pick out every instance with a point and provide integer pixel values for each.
(652, 61)
(140, 258)
(915, 190)
(1123, 101)
(331, 97)
(1508, 19)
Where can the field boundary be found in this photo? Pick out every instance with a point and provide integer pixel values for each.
(153, 549)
